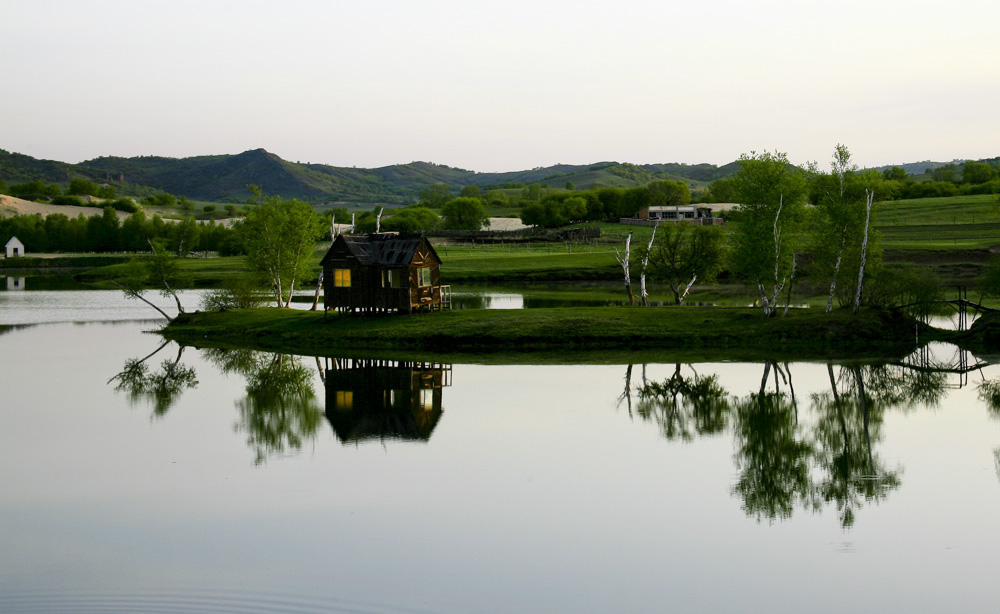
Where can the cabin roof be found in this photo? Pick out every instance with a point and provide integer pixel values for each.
(14, 241)
(382, 249)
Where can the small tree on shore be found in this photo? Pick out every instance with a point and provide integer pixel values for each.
(280, 237)
(685, 254)
(771, 194)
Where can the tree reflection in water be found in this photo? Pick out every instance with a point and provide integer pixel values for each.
(772, 453)
(683, 406)
(280, 411)
(783, 464)
(162, 387)
(850, 420)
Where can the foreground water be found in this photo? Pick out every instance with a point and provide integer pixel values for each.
(201, 481)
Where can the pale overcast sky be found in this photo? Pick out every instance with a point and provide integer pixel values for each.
(500, 86)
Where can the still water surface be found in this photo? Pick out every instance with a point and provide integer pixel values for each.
(201, 481)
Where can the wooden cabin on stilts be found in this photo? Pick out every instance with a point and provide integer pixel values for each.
(383, 273)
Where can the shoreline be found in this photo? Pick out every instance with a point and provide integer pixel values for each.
(716, 333)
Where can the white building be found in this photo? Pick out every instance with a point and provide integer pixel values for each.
(14, 248)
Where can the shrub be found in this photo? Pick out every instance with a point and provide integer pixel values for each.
(72, 201)
(241, 293)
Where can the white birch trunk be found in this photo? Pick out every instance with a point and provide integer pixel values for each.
(378, 220)
(777, 237)
(791, 282)
(869, 200)
(645, 261)
(687, 289)
(352, 224)
(836, 271)
(625, 267)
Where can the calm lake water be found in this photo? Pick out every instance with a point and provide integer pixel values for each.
(210, 481)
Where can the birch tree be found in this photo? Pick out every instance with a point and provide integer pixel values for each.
(624, 262)
(770, 192)
(280, 237)
(685, 254)
(645, 263)
(869, 201)
(159, 271)
(839, 221)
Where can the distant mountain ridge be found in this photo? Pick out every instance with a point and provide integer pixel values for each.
(224, 178)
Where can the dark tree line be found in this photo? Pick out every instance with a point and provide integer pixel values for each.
(107, 233)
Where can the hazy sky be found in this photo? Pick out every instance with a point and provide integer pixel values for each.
(499, 86)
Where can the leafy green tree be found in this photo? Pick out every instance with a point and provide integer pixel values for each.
(78, 186)
(242, 292)
(159, 271)
(106, 192)
(231, 210)
(946, 174)
(185, 236)
(412, 219)
(895, 173)
(435, 195)
(532, 192)
(839, 224)
(669, 193)
(683, 254)
(722, 190)
(771, 194)
(279, 237)
(612, 203)
(104, 232)
(470, 191)
(570, 185)
(977, 172)
(464, 214)
(136, 232)
(635, 199)
(496, 198)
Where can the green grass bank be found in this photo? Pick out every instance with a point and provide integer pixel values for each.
(721, 334)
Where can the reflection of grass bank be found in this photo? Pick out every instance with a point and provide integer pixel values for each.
(803, 333)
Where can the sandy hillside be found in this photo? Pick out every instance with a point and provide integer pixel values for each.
(10, 206)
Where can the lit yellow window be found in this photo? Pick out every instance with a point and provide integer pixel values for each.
(342, 278)
(344, 400)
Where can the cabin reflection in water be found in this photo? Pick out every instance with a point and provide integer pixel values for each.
(384, 399)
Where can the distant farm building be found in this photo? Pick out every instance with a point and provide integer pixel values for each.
(690, 214)
(383, 272)
(14, 248)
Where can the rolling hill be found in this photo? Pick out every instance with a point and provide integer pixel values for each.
(224, 178)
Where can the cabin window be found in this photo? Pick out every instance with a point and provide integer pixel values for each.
(423, 277)
(342, 278)
(392, 279)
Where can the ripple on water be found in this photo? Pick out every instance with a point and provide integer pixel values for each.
(200, 601)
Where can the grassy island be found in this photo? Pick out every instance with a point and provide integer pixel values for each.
(735, 333)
